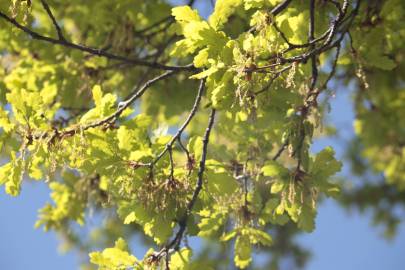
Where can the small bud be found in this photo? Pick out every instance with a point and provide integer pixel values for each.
(121, 104)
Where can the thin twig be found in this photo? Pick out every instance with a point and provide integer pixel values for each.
(170, 150)
(333, 70)
(129, 102)
(52, 17)
(275, 76)
(154, 25)
(185, 124)
(280, 151)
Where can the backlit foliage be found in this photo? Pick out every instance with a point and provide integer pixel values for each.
(180, 126)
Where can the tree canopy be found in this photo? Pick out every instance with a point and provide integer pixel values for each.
(171, 126)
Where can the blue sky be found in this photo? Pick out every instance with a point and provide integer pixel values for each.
(341, 241)
(22, 246)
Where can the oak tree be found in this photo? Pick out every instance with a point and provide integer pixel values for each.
(173, 126)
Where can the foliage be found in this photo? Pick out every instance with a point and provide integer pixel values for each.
(180, 126)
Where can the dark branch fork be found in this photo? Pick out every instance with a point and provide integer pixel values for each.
(177, 137)
(174, 244)
(179, 132)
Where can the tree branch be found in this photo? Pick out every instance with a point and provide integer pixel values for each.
(280, 7)
(175, 243)
(185, 124)
(55, 23)
(311, 36)
(68, 132)
(93, 51)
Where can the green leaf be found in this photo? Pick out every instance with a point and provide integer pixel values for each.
(181, 259)
(34, 171)
(159, 228)
(269, 213)
(222, 11)
(97, 95)
(249, 4)
(201, 59)
(306, 219)
(5, 123)
(277, 187)
(243, 251)
(195, 146)
(228, 236)
(221, 91)
(185, 14)
(67, 205)
(221, 184)
(274, 169)
(11, 175)
(5, 172)
(205, 73)
(96, 62)
(257, 236)
(210, 222)
(383, 62)
(325, 165)
(115, 258)
(133, 212)
(105, 105)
